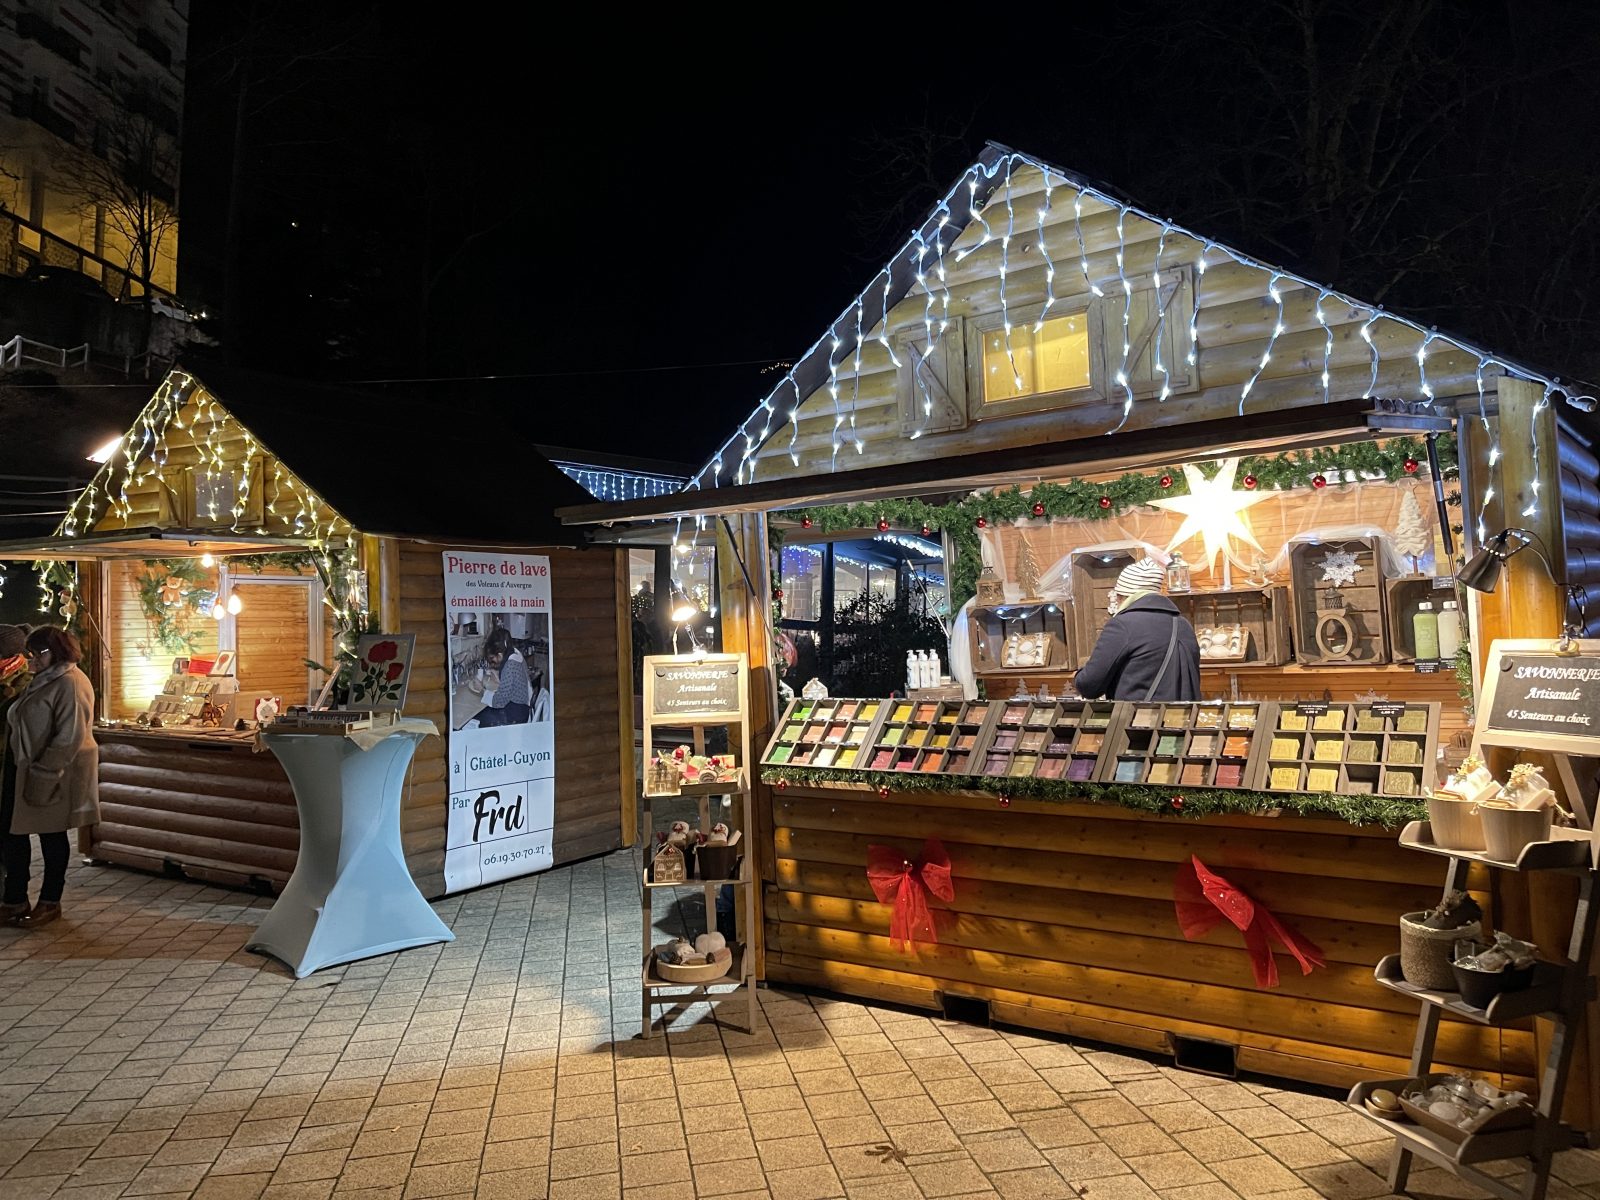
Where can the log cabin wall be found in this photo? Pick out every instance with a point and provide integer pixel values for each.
(1580, 513)
(585, 649)
(1063, 920)
(1234, 321)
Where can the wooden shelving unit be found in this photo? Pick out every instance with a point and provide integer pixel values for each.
(1560, 992)
(699, 693)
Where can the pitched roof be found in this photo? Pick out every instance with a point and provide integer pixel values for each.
(398, 468)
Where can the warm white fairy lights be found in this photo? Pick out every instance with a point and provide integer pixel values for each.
(1127, 316)
(1278, 327)
(939, 237)
(1005, 265)
(1533, 438)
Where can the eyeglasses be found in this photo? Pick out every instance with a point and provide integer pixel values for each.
(37, 653)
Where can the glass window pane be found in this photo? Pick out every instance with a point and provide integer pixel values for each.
(1053, 359)
(802, 583)
(849, 579)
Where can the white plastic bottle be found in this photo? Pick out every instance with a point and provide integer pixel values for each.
(922, 668)
(935, 668)
(912, 678)
(1449, 630)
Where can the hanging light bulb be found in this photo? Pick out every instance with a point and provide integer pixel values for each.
(207, 559)
(234, 605)
(218, 612)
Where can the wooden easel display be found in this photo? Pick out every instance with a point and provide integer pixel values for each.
(1541, 698)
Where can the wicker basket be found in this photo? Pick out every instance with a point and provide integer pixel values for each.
(698, 973)
(1426, 954)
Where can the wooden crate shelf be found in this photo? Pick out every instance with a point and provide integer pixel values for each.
(1094, 574)
(1329, 609)
(1020, 639)
(1404, 594)
(1261, 612)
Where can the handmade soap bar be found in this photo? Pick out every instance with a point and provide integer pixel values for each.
(1322, 779)
(916, 737)
(930, 763)
(1082, 767)
(1170, 744)
(1128, 770)
(1362, 750)
(824, 757)
(925, 711)
(1413, 720)
(802, 710)
(966, 741)
(1090, 743)
(1404, 750)
(1241, 718)
(905, 762)
(791, 733)
(1236, 747)
(1053, 767)
(1005, 739)
(1161, 772)
(892, 735)
(1095, 719)
(940, 741)
(847, 758)
(959, 764)
(1203, 743)
(780, 754)
(1174, 717)
(1286, 779)
(882, 759)
(1369, 722)
(1040, 716)
(1229, 775)
(996, 764)
(902, 712)
(1060, 745)
(1194, 774)
(847, 709)
(1013, 714)
(1024, 764)
(1289, 719)
(1034, 740)
(1399, 783)
(835, 732)
(870, 711)
(1285, 747)
(1328, 749)
(1332, 719)
(1208, 718)
(1144, 717)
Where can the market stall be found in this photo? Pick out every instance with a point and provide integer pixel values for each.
(1057, 384)
(232, 552)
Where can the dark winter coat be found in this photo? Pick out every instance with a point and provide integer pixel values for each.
(50, 739)
(1129, 653)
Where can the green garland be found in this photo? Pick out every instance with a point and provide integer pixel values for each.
(167, 620)
(1082, 500)
(1390, 812)
(298, 561)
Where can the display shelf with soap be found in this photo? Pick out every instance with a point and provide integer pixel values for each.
(1206, 744)
(1375, 748)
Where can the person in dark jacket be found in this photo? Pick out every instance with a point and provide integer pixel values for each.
(1147, 650)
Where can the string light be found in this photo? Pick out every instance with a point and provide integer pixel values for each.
(1494, 451)
(1278, 327)
(1533, 438)
(612, 483)
(855, 390)
(1422, 366)
(1005, 262)
(1003, 168)
(1044, 252)
(1161, 322)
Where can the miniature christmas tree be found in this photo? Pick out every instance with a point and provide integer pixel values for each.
(1028, 570)
(1412, 537)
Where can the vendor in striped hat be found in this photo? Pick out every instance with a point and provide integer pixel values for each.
(1148, 649)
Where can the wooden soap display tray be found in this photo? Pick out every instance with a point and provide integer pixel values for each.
(1353, 749)
(825, 733)
(1262, 613)
(1054, 740)
(1212, 744)
(919, 735)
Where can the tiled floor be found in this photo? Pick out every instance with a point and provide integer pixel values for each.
(144, 1053)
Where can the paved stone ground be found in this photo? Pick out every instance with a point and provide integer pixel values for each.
(144, 1053)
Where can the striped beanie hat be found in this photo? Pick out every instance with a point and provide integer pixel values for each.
(1145, 575)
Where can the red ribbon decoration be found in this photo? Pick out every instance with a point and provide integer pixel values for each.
(905, 884)
(1203, 899)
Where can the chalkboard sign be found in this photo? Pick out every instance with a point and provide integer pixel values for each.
(1546, 693)
(690, 689)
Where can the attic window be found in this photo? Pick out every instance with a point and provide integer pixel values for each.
(1053, 357)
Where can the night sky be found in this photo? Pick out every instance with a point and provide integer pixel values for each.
(637, 225)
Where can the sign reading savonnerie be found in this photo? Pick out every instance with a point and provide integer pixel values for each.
(1547, 693)
(498, 669)
(695, 690)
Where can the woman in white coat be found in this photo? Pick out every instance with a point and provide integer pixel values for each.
(50, 780)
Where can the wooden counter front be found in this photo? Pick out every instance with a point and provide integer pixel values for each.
(1063, 921)
(208, 806)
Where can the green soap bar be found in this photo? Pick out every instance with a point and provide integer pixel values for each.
(781, 753)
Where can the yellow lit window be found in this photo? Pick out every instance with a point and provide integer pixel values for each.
(1055, 359)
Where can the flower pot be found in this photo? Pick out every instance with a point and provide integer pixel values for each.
(1426, 954)
(1507, 831)
(1455, 824)
(1477, 988)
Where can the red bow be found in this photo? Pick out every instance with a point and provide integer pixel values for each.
(905, 884)
(1203, 898)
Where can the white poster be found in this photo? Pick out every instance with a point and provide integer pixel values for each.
(502, 717)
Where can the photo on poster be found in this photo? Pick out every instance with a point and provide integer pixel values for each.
(501, 663)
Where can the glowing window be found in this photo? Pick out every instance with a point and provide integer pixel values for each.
(1054, 359)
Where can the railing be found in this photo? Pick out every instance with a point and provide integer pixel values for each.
(24, 245)
(22, 352)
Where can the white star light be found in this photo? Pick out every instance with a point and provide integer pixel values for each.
(1212, 511)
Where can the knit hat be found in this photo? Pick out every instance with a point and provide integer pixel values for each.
(1145, 575)
(13, 638)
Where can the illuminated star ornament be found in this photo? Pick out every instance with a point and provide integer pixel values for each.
(1213, 510)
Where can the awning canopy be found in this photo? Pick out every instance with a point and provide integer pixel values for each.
(1140, 449)
(149, 542)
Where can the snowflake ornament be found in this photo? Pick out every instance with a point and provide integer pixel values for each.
(1339, 566)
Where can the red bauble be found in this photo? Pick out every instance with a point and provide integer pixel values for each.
(1105, 501)
(781, 784)
(1411, 466)
(1250, 482)
(883, 792)
(805, 522)
(1319, 481)
(883, 524)
(1038, 509)
(1177, 803)
(777, 593)
(926, 531)
(982, 522)
(1005, 801)
(1166, 481)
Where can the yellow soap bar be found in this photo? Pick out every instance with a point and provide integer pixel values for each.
(1332, 719)
(1329, 749)
(1322, 779)
(1289, 719)
(1286, 779)
(1285, 747)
